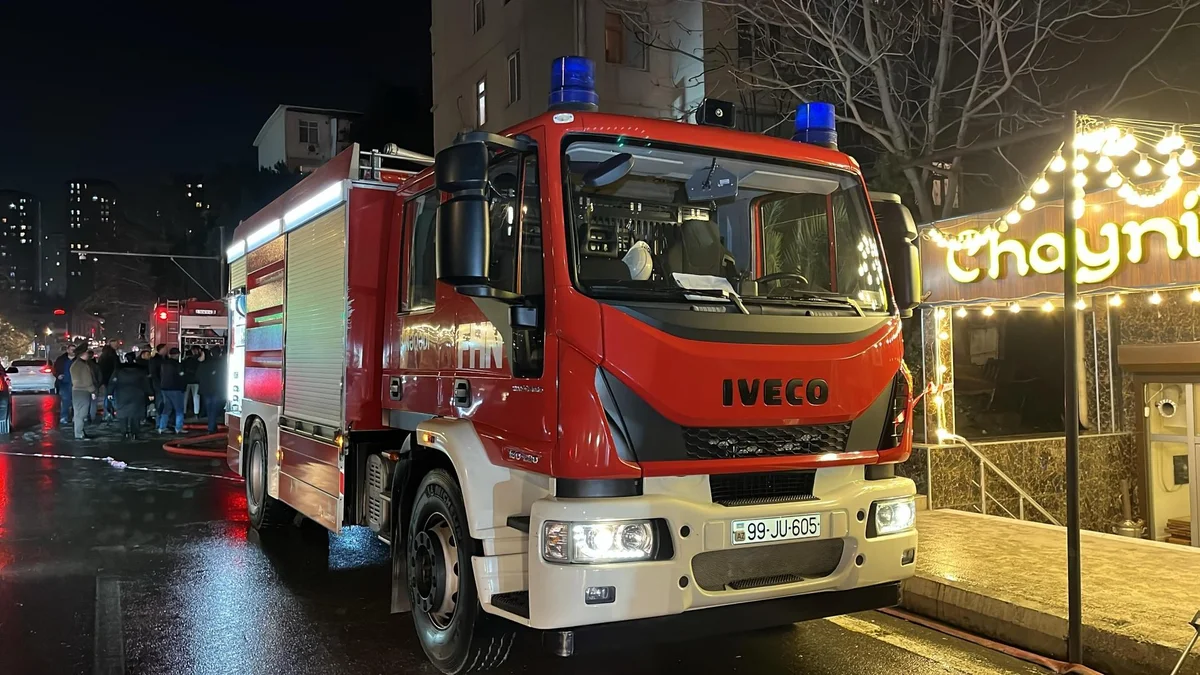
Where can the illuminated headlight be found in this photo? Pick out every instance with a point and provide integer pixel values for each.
(598, 542)
(894, 515)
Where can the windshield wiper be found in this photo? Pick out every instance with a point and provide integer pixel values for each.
(673, 292)
(801, 297)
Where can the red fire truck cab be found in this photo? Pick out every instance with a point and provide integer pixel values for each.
(595, 374)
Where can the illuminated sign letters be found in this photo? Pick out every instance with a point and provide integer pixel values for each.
(1046, 255)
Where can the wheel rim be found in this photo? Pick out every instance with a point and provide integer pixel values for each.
(434, 574)
(255, 483)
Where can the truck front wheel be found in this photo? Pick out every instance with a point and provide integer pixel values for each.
(455, 632)
(265, 510)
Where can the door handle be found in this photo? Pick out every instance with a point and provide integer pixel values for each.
(462, 393)
(394, 389)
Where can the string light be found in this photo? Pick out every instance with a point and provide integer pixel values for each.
(1155, 298)
(1077, 208)
(988, 311)
(1170, 142)
(962, 312)
(1014, 307)
(1114, 180)
(1143, 167)
(1188, 157)
(1115, 300)
(1027, 203)
(940, 313)
(943, 335)
(1047, 306)
(1058, 164)
(1171, 168)
(1013, 217)
(1195, 296)
(1041, 186)
(1079, 180)
(1081, 162)
(941, 369)
(1080, 304)
(1104, 164)
(1190, 200)
(940, 400)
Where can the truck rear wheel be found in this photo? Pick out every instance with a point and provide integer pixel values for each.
(265, 510)
(455, 632)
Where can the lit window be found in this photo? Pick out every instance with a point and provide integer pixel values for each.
(479, 15)
(481, 102)
(514, 77)
(189, 194)
(198, 204)
(200, 185)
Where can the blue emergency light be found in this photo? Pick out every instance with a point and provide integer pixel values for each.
(815, 125)
(573, 84)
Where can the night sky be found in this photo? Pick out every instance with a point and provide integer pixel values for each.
(135, 95)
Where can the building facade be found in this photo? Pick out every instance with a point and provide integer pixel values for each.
(54, 264)
(91, 224)
(20, 240)
(303, 138)
(492, 58)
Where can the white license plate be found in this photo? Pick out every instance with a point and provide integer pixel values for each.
(781, 528)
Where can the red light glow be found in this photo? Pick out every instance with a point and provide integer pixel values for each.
(162, 316)
(59, 312)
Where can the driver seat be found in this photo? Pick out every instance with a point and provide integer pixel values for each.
(696, 248)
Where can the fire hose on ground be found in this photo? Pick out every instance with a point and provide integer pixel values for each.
(207, 445)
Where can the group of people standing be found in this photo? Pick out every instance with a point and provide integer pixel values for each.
(127, 389)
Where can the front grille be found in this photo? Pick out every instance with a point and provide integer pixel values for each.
(737, 442)
(768, 565)
(743, 489)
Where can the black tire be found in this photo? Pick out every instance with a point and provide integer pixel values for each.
(265, 510)
(467, 639)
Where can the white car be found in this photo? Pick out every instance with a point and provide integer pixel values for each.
(31, 375)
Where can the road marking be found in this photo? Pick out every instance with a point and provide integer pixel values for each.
(110, 635)
(121, 465)
(950, 659)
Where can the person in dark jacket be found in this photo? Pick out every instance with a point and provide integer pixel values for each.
(100, 384)
(211, 375)
(192, 393)
(156, 362)
(62, 375)
(131, 390)
(172, 385)
(108, 363)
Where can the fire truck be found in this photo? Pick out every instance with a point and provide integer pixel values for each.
(605, 377)
(188, 323)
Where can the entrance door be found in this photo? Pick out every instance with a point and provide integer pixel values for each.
(1172, 411)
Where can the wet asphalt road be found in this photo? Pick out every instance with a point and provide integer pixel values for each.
(108, 570)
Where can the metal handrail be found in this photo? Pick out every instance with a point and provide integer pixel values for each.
(959, 440)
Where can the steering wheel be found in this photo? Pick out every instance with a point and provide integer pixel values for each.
(780, 276)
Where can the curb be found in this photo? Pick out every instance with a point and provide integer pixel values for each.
(1038, 631)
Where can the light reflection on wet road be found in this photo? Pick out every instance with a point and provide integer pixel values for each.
(198, 593)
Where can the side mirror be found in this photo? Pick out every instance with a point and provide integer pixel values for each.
(12, 369)
(462, 219)
(899, 234)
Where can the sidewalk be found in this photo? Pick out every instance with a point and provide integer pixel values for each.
(1007, 580)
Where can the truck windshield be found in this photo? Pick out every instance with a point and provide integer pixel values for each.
(791, 233)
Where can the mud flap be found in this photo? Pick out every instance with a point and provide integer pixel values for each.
(401, 602)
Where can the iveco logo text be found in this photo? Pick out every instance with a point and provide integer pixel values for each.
(775, 391)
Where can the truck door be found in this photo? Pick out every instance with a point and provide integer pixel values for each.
(501, 349)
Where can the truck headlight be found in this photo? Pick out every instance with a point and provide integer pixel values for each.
(893, 515)
(598, 542)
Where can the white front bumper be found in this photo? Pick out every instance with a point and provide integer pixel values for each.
(666, 587)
